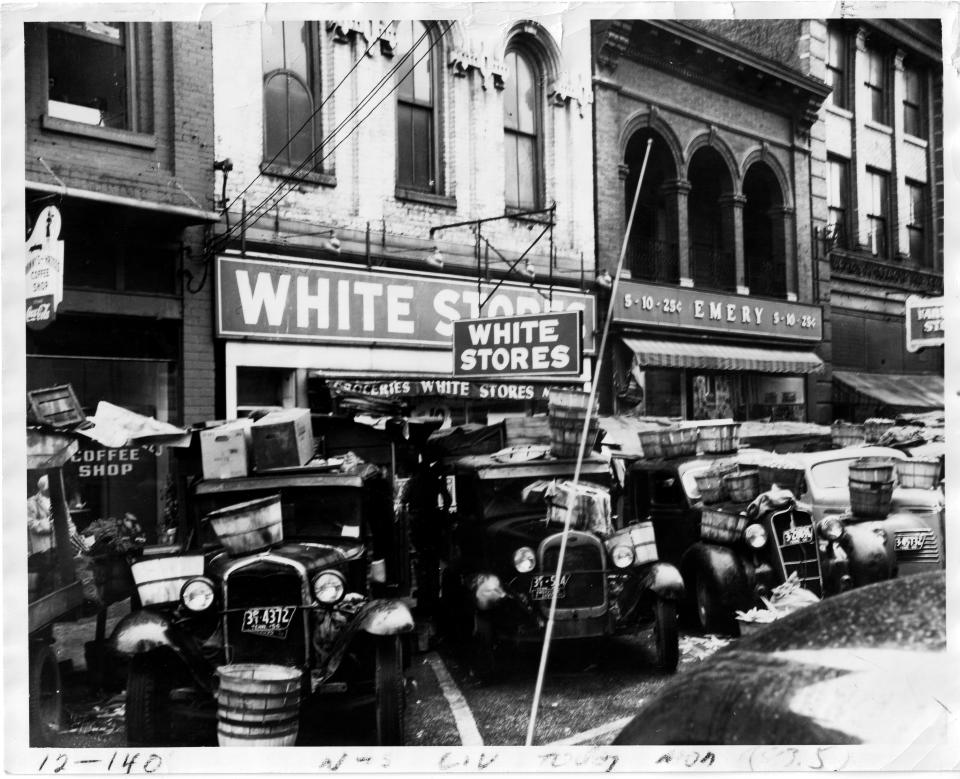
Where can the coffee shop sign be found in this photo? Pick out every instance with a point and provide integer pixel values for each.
(309, 302)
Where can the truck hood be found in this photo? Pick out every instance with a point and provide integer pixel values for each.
(523, 531)
(314, 556)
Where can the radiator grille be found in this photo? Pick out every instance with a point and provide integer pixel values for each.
(583, 561)
(804, 558)
(929, 552)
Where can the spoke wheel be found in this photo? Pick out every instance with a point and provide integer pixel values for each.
(46, 698)
(389, 692)
(666, 635)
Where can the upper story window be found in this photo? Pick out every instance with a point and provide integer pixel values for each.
(914, 101)
(837, 66)
(89, 74)
(417, 120)
(291, 95)
(522, 122)
(878, 212)
(875, 81)
(917, 222)
(838, 199)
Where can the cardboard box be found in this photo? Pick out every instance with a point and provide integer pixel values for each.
(282, 439)
(225, 450)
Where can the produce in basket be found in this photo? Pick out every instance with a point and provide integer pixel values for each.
(115, 535)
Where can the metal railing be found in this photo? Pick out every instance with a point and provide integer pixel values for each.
(712, 268)
(657, 261)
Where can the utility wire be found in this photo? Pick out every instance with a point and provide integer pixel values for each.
(253, 215)
(309, 118)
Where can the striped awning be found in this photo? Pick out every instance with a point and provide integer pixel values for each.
(916, 390)
(721, 357)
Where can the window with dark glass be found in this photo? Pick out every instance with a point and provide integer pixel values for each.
(917, 221)
(521, 131)
(876, 84)
(291, 95)
(416, 108)
(878, 212)
(838, 198)
(836, 66)
(913, 101)
(88, 73)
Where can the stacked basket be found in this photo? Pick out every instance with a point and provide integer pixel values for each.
(719, 439)
(566, 412)
(871, 486)
(919, 473)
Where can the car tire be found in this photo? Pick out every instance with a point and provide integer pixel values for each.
(484, 649)
(148, 704)
(712, 617)
(46, 695)
(666, 635)
(389, 693)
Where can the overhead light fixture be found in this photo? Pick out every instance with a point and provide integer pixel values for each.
(604, 279)
(529, 270)
(435, 258)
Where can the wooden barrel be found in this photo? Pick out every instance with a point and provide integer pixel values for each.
(872, 469)
(743, 486)
(249, 526)
(258, 704)
(871, 498)
(919, 473)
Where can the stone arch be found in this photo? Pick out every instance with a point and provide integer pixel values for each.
(650, 119)
(535, 39)
(762, 155)
(711, 139)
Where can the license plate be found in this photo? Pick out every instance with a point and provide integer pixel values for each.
(798, 535)
(912, 542)
(541, 587)
(269, 621)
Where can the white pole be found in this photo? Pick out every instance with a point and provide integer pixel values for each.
(545, 652)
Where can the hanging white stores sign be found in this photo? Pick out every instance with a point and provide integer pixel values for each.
(273, 300)
(519, 346)
(44, 267)
(924, 322)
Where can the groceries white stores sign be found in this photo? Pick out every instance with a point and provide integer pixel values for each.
(305, 302)
(658, 305)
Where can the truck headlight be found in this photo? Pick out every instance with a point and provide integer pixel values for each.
(524, 560)
(622, 555)
(328, 587)
(830, 528)
(755, 536)
(197, 594)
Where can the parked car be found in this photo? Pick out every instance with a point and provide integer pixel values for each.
(500, 567)
(321, 599)
(915, 525)
(868, 666)
(730, 561)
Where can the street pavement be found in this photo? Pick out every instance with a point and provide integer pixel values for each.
(590, 691)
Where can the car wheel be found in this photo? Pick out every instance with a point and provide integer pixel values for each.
(666, 635)
(389, 692)
(148, 704)
(711, 615)
(484, 649)
(46, 700)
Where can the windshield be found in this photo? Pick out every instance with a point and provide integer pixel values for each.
(308, 513)
(690, 483)
(831, 474)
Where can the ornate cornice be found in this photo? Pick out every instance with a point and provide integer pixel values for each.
(611, 47)
(564, 92)
(462, 61)
(386, 30)
(906, 279)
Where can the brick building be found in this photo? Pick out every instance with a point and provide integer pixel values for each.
(119, 138)
(348, 148)
(794, 161)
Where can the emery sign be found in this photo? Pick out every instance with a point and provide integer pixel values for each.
(924, 322)
(693, 309)
(533, 345)
(275, 300)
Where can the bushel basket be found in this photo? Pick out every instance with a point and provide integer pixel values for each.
(250, 526)
(723, 527)
(784, 477)
(717, 439)
(711, 486)
(871, 499)
(843, 434)
(258, 704)
(680, 442)
(743, 486)
(919, 473)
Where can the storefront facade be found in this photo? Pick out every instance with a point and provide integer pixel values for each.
(289, 326)
(703, 355)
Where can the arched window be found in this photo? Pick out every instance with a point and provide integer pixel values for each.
(522, 123)
(417, 161)
(291, 95)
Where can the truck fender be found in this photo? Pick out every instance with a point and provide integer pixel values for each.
(146, 631)
(664, 580)
(869, 546)
(726, 570)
